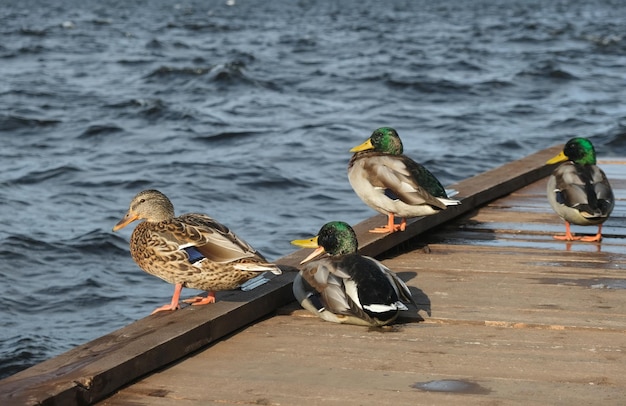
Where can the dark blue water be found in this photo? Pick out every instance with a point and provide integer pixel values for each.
(246, 112)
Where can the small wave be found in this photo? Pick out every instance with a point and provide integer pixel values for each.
(102, 21)
(23, 352)
(29, 93)
(523, 109)
(135, 103)
(169, 71)
(263, 180)
(152, 109)
(95, 131)
(13, 122)
(428, 85)
(30, 50)
(508, 145)
(605, 40)
(97, 242)
(227, 73)
(464, 66)
(226, 136)
(547, 69)
(138, 61)
(299, 43)
(44, 175)
(572, 122)
(21, 243)
(133, 185)
(202, 26)
(492, 85)
(33, 32)
(616, 139)
(154, 44)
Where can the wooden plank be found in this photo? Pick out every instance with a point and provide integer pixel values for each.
(289, 360)
(535, 286)
(94, 370)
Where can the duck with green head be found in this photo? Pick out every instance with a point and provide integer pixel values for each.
(345, 287)
(191, 250)
(578, 190)
(392, 183)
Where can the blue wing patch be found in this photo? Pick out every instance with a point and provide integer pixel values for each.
(559, 197)
(389, 193)
(194, 254)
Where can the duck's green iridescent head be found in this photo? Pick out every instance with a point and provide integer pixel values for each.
(338, 238)
(335, 238)
(578, 150)
(384, 139)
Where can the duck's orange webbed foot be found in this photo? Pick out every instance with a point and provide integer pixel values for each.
(384, 230)
(173, 305)
(594, 238)
(391, 227)
(199, 300)
(568, 235)
(166, 307)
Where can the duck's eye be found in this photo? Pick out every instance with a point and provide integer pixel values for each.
(142, 201)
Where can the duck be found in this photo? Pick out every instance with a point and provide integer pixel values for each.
(578, 190)
(342, 286)
(392, 183)
(192, 250)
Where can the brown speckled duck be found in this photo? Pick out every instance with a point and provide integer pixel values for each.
(578, 190)
(191, 250)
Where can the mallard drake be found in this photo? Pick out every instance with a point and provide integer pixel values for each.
(191, 250)
(345, 287)
(392, 183)
(578, 190)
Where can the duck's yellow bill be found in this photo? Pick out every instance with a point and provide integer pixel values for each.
(363, 147)
(559, 158)
(309, 243)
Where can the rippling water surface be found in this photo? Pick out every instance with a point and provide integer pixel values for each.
(246, 112)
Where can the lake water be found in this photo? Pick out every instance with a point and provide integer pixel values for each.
(246, 111)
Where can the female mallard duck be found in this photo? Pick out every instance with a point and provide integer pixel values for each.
(346, 287)
(191, 250)
(392, 183)
(578, 190)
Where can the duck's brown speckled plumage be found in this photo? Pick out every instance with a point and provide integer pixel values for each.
(192, 250)
(155, 247)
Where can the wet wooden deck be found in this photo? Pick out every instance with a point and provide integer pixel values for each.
(506, 315)
(511, 316)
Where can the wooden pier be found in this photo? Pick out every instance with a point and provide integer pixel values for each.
(506, 315)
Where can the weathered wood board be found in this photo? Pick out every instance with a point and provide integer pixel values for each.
(289, 360)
